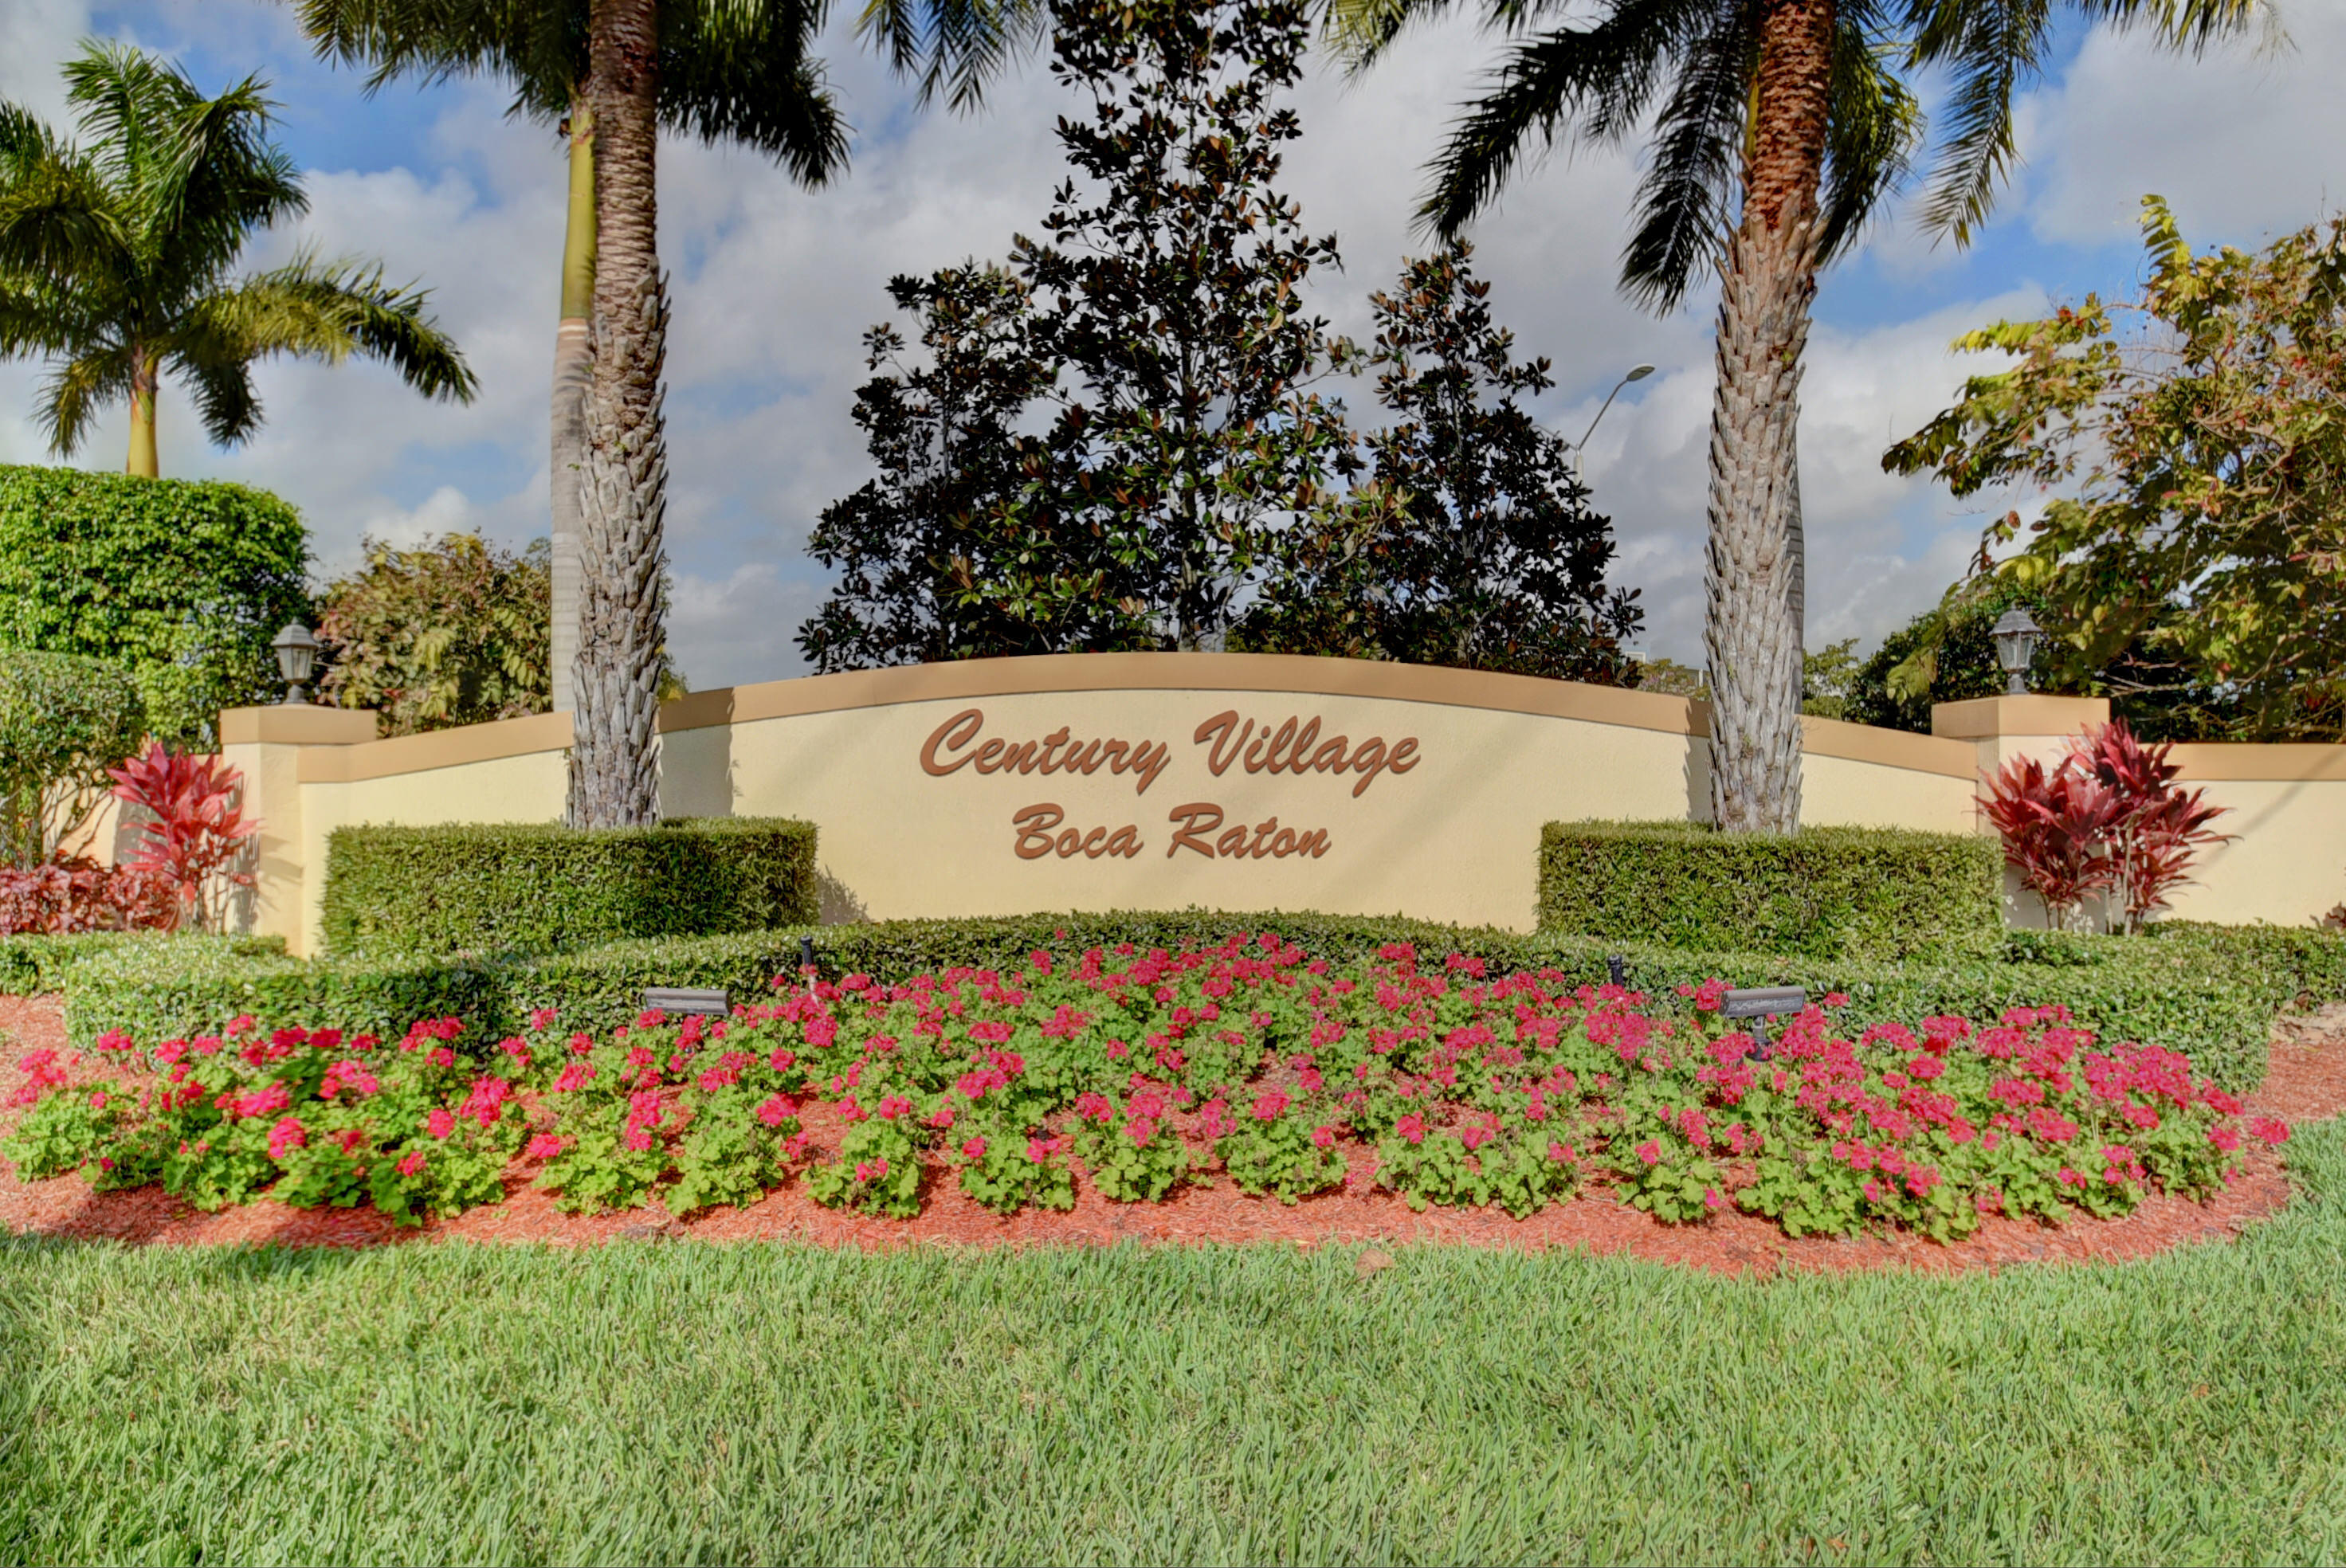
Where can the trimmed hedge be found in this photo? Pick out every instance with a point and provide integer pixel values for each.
(2211, 992)
(33, 965)
(182, 582)
(1869, 894)
(542, 887)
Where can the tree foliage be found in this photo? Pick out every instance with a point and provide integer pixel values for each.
(2195, 548)
(1472, 543)
(63, 721)
(961, 547)
(182, 584)
(115, 257)
(1107, 440)
(451, 633)
(1169, 287)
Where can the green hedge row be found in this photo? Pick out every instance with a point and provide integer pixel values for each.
(181, 582)
(540, 888)
(1823, 893)
(2210, 992)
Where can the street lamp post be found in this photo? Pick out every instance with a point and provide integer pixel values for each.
(1637, 374)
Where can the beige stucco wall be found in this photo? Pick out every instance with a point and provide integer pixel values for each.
(1454, 838)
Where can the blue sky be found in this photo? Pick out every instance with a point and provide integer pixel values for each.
(773, 287)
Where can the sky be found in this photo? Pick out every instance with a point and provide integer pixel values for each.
(772, 288)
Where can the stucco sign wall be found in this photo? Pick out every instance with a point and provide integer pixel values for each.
(1105, 781)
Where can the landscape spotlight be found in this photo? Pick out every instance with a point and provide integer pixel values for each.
(297, 651)
(2016, 636)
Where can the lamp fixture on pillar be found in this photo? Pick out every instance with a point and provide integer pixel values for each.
(297, 651)
(2016, 636)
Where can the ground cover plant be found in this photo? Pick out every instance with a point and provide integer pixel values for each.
(1249, 1061)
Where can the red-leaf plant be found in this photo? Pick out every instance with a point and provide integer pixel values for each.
(78, 894)
(2106, 822)
(199, 828)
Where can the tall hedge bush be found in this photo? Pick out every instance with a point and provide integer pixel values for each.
(537, 887)
(1823, 893)
(183, 583)
(63, 721)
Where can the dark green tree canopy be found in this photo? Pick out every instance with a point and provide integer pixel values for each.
(960, 548)
(1473, 542)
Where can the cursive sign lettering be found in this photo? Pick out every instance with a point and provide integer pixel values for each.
(1295, 746)
(1055, 753)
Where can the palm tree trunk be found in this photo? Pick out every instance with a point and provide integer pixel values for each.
(573, 365)
(1752, 581)
(615, 755)
(143, 462)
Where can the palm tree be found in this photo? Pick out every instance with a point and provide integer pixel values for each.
(114, 259)
(741, 75)
(1777, 125)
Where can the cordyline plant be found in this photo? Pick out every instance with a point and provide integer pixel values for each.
(198, 828)
(2106, 821)
(2193, 441)
(1141, 1073)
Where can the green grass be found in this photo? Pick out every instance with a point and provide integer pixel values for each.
(680, 1402)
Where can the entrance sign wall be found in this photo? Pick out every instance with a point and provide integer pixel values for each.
(1111, 782)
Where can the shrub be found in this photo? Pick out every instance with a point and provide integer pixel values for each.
(194, 832)
(2209, 992)
(453, 632)
(63, 721)
(184, 583)
(66, 896)
(2107, 820)
(1480, 1087)
(542, 887)
(1823, 893)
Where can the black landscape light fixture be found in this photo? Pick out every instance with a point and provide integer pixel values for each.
(297, 653)
(1758, 1003)
(1637, 374)
(2016, 636)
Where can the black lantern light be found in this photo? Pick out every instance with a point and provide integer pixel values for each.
(2016, 636)
(297, 651)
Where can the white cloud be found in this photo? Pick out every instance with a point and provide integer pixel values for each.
(2245, 140)
(774, 286)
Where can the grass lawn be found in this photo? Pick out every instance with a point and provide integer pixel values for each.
(675, 1402)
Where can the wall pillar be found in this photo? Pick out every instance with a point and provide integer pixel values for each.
(2003, 728)
(265, 745)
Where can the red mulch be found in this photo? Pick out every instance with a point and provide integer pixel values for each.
(2306, 1082)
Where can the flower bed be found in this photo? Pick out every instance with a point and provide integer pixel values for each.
(1139, 1072)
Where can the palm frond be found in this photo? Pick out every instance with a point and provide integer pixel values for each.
(539, 45)
(1992, 47)
(73, 393)
(59, 216)
(217, 180)
(226, 402)
(1874, 125)
(329, 310)
(1596, 82)
(952, 47)
(744, 72)
(1685, 199)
